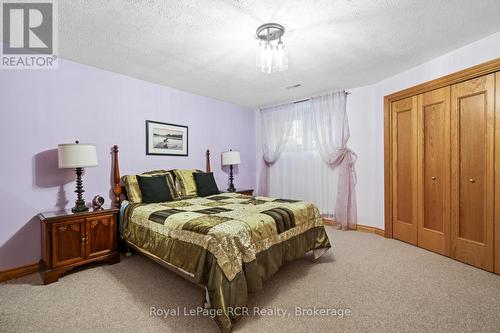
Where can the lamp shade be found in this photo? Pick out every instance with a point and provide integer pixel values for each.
(231, 157)
(76, 155)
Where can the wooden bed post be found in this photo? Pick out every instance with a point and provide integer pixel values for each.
(208, 160)
(117, 189)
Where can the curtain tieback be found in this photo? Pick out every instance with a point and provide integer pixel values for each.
(347, 155)
(350, 154)
(344, 154)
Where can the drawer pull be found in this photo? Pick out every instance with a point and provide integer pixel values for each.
(472, 180)
(434, 178)
(83, 239)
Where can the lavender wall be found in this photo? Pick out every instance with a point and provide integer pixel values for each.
(41, 108)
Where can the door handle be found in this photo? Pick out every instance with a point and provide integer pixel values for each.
(434, 178)
(472, 180)
(83, 239)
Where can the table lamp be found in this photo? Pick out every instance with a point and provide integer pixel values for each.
(231, 158)
(77, 156)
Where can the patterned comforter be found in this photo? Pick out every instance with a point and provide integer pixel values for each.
(228, 242)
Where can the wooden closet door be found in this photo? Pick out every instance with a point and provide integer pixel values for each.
(472, 171)
(434, 171)
(497, 175)
(404, 170)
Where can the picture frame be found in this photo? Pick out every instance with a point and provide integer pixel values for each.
(166, 139)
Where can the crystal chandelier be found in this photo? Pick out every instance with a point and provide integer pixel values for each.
(271, 53)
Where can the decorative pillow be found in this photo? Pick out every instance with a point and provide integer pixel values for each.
(186, 181)
(175, 181)
(134, 192)
(205, 183)
(154, 189)
(132, 189)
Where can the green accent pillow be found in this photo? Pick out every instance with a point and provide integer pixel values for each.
(205, 183)
(134, 192)
(154, 189)
(186, 181)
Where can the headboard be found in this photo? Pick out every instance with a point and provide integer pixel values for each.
(119, 190)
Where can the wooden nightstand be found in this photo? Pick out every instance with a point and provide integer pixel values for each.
(70, 240)
(242, 191)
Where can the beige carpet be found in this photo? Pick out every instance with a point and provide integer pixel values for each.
(389, 287)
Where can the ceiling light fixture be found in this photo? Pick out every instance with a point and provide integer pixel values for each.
(271, 53)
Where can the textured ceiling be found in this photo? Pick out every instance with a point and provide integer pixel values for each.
(208, 46)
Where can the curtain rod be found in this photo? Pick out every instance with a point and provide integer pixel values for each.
(296, 102)
(308, 99)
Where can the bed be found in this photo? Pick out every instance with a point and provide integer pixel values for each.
(227, 243)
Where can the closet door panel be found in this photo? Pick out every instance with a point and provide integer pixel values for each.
(472, 157)
(434, 170)
(404, 175)
(497, 175)
(472, 171)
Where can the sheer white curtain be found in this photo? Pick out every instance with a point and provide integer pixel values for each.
(331, 130)
(276, 124)
(306, 156)
(300, 172)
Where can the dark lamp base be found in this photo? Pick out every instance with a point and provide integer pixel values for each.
(79, 207)
(79, 203)
(231, 187)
